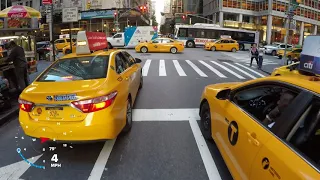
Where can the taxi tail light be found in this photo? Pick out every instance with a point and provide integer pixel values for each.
(25, 105)
(95, 104)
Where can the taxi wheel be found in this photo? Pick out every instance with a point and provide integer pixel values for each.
(213, 48)
(144, 49)
(173, 50)
(128, 117)
(68, 51)
(234, 50)
(205, 117)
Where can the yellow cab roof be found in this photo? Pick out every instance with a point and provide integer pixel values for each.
(303, 83)
(100, 52)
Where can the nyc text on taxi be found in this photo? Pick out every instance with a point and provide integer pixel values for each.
(234, 115)
(83, 96)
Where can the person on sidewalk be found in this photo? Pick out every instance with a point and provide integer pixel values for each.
(17, 56)
(260, 61)
(254, 54)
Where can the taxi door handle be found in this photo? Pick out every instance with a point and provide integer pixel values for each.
(252, 139)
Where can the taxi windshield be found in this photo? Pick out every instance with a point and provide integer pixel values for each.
(78, 68)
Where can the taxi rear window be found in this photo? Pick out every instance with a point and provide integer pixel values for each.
(79, 68)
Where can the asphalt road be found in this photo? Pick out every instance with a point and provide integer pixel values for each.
(165, 141)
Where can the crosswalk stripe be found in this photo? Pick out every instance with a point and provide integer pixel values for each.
(146, 67)
(261, 75)
(229, 70)
(179, 68)
(196, 69)
(213, 69)
(162, 68)
(235, 67)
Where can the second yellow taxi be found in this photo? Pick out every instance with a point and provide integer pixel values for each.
(82, 96)
(224, 44)
(160, 45)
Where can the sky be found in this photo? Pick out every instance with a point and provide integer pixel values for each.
(159, 8)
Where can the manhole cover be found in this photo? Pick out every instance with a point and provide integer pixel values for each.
(225, 60)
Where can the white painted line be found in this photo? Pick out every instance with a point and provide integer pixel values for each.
(202, 74)
(179, 68)
(229, 70)
(162, 68)
(15, 170)
(235, 67)
(259, 74)
(213, 69)
(102, 160)
(206, 156)
(165, 114)
(146, 67)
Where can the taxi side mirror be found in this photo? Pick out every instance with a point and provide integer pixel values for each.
(138, 60)
(223, 94)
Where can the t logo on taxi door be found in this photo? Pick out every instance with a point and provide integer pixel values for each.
(233, 133)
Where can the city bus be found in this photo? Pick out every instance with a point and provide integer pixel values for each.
(200, 33)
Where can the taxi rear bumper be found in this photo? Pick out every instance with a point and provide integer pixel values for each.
(100, 125)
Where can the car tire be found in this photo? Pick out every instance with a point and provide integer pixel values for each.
(141, 81)
(205, 121)
(68, 51)
(128, 125)
(234, 50)
(280, 57)
(143, 49)
(241, 47)
(110, 46)
(173, 50)
(274, 53)
(213, 48)
(190, 44)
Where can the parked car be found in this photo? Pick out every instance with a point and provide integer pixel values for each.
(273, 48)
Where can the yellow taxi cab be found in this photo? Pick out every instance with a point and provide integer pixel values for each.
(223, 44)
(67, 50)
(61, 43)
(267, 128)
(83, 96)
(291, 54)
(160, 45)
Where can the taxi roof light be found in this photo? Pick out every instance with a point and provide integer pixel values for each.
(95, 104)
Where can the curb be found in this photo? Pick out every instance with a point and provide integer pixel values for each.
(9, 114)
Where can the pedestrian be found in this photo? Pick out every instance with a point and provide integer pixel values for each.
(17, 56)
(260, 58)
(254, 54)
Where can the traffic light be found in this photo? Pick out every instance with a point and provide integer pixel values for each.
(184, 17)
(298, 1)
(88, 5)
(115, 14)
(143, 8)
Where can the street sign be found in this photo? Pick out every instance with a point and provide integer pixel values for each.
(46, 2)
(70, 14)
(48, 17)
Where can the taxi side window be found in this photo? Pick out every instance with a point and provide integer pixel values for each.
(305, 135)
(129, 58)
(120, 63)
(156, 41)
(117, 36)
(264, 102)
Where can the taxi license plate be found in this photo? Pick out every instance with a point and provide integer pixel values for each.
(55, 112)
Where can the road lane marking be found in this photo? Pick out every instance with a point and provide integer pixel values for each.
(202, 74)
(213, 69)
(235, 67)
(206, 156)
(165, 114)
(229, 70)
(102, 160)
(259, 74)
(15, 170)
(179, 68)
(146, 67)
(162, 68)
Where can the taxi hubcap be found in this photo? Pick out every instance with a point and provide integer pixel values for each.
(206, 122)
(129, 113)
(144, 50)
(173, 50)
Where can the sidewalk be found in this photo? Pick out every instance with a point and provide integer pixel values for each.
(6, 115)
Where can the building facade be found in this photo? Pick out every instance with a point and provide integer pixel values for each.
(266, 16)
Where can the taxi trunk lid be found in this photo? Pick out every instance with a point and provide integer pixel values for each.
(52, 100)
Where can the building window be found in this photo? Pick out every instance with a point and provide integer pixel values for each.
(30, 3)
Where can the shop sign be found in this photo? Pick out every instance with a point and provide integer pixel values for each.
(70, 14)
(97, 14)
(29, 54)
(96, 40)
(1, 23)
(45, 2)
(19, 22)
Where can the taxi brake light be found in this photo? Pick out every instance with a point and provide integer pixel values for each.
(25, 105)
(95, 104)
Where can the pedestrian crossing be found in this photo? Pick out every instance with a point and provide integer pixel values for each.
(245, 58)
(199, 68)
